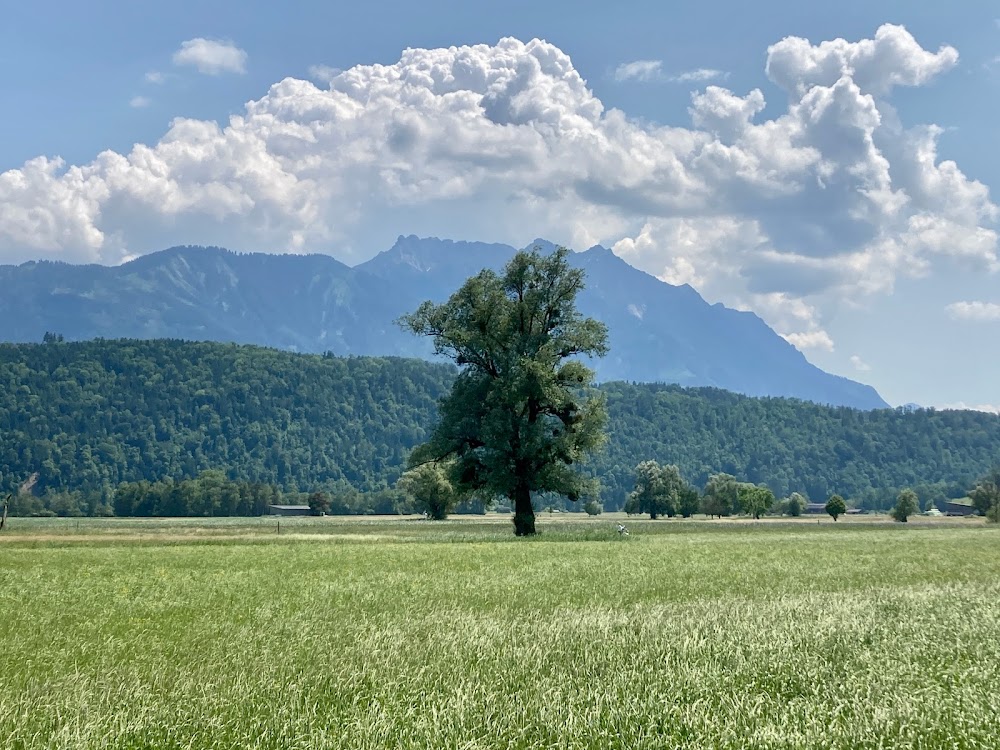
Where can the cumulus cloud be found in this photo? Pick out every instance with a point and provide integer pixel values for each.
(211, 56)
(830, 199)
(139, 101)
(639, 70)
(988, 311)
(155, 76)
(323, 73)
(892, 58)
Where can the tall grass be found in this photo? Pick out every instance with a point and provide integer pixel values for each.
(682, 635)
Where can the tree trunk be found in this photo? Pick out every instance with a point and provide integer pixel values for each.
(652, 515)
(524, 514)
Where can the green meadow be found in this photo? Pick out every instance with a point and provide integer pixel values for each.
(376, 633)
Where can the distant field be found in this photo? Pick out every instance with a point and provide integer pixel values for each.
(379, 632)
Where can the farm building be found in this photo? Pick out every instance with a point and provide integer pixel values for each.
(289, 510)
(963, 507)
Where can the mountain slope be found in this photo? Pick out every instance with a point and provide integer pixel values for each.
(314, 303)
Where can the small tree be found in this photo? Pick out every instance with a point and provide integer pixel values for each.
(836, 506)
(689, 502)
(431, 490)
(756, 500)
(25, 489)
(658, 490)
(986, 494)
(593, 508)
(721, 496)
(906, 505)
(795, 505)
(319, 503)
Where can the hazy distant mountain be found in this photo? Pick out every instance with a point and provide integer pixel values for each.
(314, 303)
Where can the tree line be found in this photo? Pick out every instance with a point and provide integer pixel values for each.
(89, 417)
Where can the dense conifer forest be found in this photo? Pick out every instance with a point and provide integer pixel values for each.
(265, 424)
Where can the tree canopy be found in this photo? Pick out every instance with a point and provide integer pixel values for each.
(521, 412)
(986, 494)
(755, 499)
(722, 496)
(907, 505)
(89, 416)
(659, 491)
(431, 490)
(836, 506)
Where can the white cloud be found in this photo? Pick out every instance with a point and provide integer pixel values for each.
(892, 58)
(155, 76)
(830, 199)
(859, 364)
(211, 56)
(700, 75)
(639, 70)
(323, 73)
(140, 101)
(974, 311)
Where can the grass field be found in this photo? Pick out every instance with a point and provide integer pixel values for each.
(399, 633)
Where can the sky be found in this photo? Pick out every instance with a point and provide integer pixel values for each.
(834, 169)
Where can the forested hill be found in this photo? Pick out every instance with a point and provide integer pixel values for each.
(90, 415)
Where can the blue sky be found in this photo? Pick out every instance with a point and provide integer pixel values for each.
(845, 191)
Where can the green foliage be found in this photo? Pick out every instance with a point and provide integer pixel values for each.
(721, 496)
(659, 491)
(755, 499)
(795, 505)
(986, 494)
(593, 508)
(208, 494)
(907, 505)
(520, 414)
(319, 503)
(89, 416)
(836, 506)
(689, 501)
(793, 446)
(431, 490)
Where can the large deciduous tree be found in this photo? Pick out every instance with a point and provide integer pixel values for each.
(521, 411)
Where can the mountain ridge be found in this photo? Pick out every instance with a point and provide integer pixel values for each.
(315, 303)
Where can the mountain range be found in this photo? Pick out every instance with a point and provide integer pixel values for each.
(314, 303)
